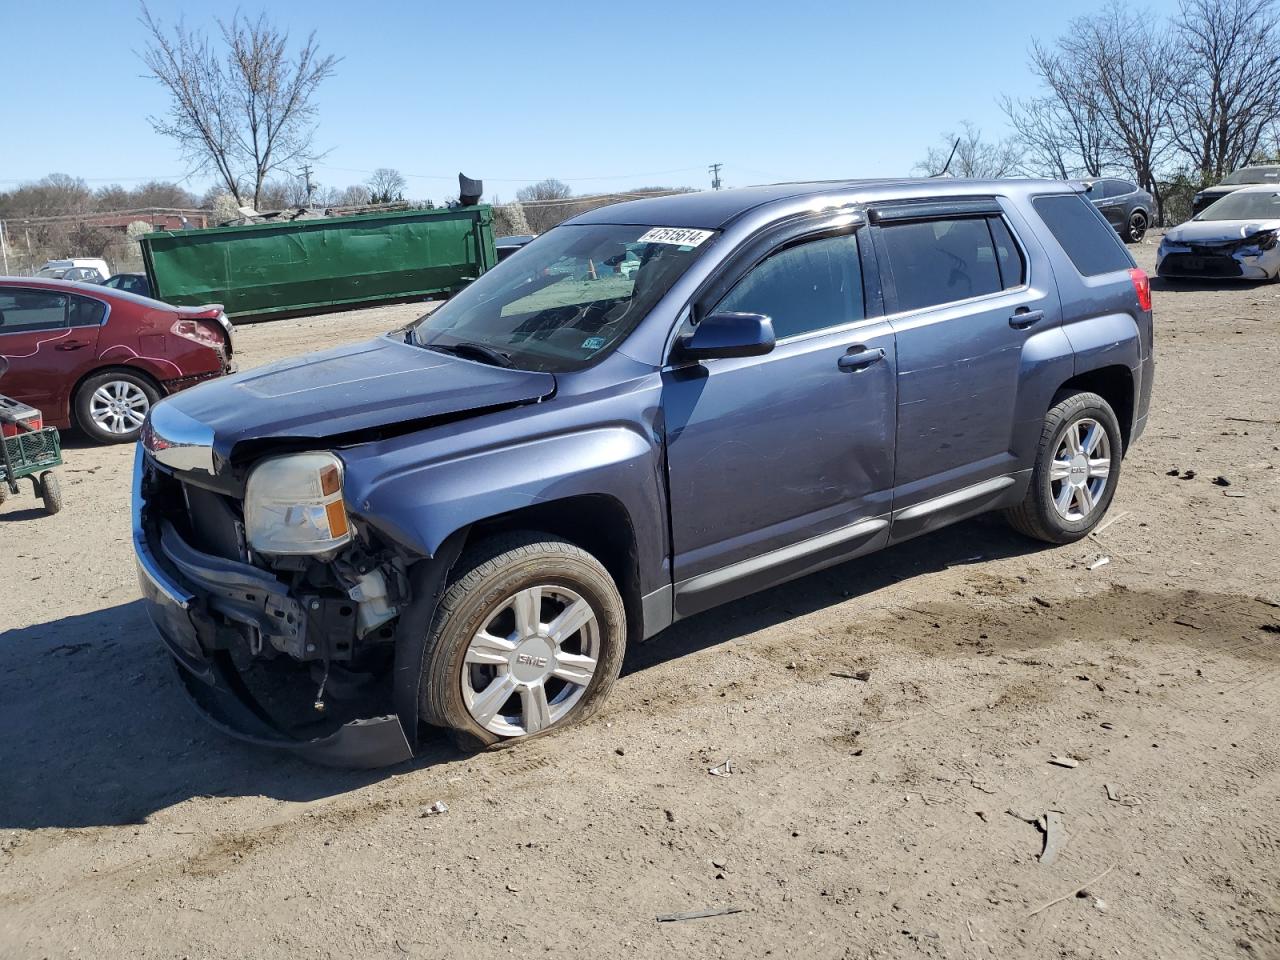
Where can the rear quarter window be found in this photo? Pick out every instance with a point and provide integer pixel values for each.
(1088, 240)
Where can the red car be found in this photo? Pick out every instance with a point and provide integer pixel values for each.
(98, 358)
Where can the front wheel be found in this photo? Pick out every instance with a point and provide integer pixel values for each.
(1076, 471)
(528, 638)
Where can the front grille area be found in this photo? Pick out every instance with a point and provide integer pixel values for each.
(1200, 265)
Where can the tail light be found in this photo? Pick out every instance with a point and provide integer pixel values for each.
(199, 332)
(1142, 287)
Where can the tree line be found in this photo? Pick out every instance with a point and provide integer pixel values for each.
(1175, 103)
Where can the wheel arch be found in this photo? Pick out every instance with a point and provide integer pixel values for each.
(598, 523)
(1114, 383)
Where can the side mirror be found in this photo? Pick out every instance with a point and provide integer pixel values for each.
(728, 335)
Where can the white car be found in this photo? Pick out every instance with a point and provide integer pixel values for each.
(1234, 238)
(84, 269)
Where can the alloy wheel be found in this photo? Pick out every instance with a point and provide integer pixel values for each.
(1080, 469)
(531, 661)
(119, 406)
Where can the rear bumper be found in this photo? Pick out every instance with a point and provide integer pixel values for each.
(178, 612)
(182, 383)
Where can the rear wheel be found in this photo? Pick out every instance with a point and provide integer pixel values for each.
(1136, 229)
(528, 638)
(111, 406)
(1076, 471)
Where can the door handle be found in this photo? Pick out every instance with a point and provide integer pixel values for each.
(859, 358)
(71, 345)
(1025, 317)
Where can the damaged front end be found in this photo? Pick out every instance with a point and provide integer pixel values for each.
(1254, 256)
(289, 650)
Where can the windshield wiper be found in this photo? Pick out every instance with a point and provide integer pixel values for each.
(471, 350)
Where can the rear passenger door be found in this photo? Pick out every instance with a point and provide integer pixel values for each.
(964, 297)
(1116, 194)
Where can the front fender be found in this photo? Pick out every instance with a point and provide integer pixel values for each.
(419, 503)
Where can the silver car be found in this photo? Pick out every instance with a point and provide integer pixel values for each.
(1234, 238)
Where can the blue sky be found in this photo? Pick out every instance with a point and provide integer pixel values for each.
(602, 95)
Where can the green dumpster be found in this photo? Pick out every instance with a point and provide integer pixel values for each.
(265, 269)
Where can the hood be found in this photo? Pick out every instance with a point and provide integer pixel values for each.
(378, 383)
(1218, 231)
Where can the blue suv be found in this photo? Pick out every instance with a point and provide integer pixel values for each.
(652, 409)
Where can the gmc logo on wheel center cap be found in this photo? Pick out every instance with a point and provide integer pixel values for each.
(531, 661)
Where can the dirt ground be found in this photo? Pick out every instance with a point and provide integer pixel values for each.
(862, 818)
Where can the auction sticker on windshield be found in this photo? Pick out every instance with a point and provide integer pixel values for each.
(678, 236)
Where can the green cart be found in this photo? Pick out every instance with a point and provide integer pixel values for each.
(27, 451)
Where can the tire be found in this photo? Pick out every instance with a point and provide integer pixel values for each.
(486, 689)
(1136, 228)
(1040, 514)
(114, 399)
(50, 492)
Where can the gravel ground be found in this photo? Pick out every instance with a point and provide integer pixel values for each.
(862, 818)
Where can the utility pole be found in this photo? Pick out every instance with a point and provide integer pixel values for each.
(306, 173)
(714, 170)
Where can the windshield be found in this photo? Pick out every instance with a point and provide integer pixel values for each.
(1253, 175)
(1242, 205)
(567, 300)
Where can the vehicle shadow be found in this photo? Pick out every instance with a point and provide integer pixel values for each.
(974, 541)
(98, 732)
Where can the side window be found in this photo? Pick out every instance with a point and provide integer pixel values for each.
(86, 312)
(1013, 268)
(941, 261)
(1087, 238)
(23, 311)
(810, 286)
(1120, 188)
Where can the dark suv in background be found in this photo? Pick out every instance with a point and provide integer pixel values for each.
(1244, 177)
(1126, 206)
(655, 408)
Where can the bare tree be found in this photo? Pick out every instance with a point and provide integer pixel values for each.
(549, 189)
(1061, 132)
(356, 195)
(243, 111)
(1229, 103)
(385, 185)
(1134, 79)
(545, 204)
(973, 157)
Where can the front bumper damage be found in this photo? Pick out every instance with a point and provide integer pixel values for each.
(194, 599)
(1247, 258)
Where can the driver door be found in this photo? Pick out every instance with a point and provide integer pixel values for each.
(783, 463)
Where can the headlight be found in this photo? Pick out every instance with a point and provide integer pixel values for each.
(293, 505)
